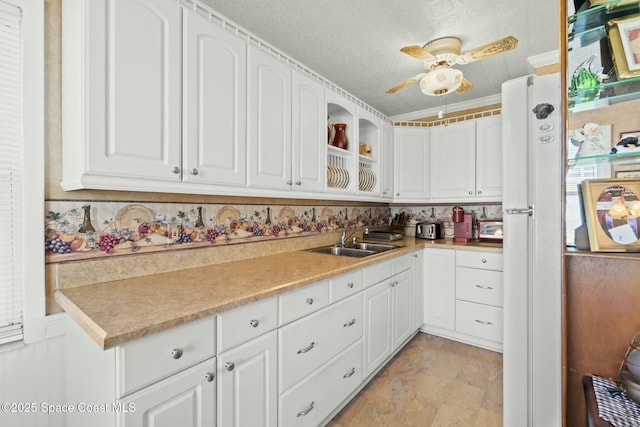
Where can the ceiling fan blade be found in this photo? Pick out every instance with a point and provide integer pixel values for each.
(490, 49)
(405, 83)
(465, 86)
(417, 52)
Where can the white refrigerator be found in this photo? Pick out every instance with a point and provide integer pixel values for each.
(532, 212)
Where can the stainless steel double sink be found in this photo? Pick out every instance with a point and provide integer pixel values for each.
(354, 250)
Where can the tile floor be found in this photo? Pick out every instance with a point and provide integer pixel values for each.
(431, 382)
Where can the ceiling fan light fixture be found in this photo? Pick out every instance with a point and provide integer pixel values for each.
(441, 81)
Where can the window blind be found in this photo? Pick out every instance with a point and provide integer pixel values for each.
(11, 169)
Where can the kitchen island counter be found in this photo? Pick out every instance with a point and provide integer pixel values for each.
(113, 313)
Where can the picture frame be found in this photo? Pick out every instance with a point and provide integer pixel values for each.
(624, 43)
(612, 210)
(626, 170)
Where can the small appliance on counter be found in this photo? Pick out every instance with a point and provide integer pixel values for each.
(462, 225)
(490, 230)
(431, 231)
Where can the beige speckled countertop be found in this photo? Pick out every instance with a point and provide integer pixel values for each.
(114, 313)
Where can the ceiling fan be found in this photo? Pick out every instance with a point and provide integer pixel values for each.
(439, 55)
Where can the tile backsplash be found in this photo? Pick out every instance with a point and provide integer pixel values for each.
(76, 230)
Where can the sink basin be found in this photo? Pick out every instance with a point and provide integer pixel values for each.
(376, 247)
(342, 251)
(355, 250)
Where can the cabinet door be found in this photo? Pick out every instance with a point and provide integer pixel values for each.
(439, 288)
(377, 334)
(215, 103)
(247, 383)
(185, 399)
(387, 161)
(269, 121)
(489, 157)
(133, 78)
(402, 321)
(309, 134)
(411, 165)
(453, 158)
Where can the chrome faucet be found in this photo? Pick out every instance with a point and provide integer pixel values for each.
(344, 237)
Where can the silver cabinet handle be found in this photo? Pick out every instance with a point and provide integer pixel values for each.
(479, 191)
(229, 366)
(194, 171)
(309, 301)
(176, 353)
(175, 170)
(470, 193)
(307, 348)
(484, 287)
(306, 411)
(350, 373)
(393, 284)
(289, 182)
(254, 323)
(350, 285)
(210, 376)
(350, 323)
(484, 322)
(484, 261)
(298, 182)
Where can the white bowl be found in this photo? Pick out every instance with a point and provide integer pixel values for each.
(633, 362)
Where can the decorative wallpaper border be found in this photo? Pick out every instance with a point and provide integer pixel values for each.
(76, 230)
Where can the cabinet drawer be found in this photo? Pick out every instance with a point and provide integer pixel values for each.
(300, 302)
(313, 399)
(401, 263)
(146, 360)
(484, 260)
(481, 286)
(346, 285)
(310, 342)
(377, 273)
(478, 320)
(246, 322)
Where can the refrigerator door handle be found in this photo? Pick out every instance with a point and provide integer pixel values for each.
(529, 211)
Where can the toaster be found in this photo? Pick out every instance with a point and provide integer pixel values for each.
(490, 230)
(427, 230)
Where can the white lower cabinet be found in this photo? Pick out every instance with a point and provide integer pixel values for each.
(317, 395)
(247, 383)
(439, 289)
(186, 399)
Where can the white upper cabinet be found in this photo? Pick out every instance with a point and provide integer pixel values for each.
(411, 163)
(122, 65)
(453, 157)
(489, 157)
(214, 104)
(466, 160)
(309, 134)
(269, 121)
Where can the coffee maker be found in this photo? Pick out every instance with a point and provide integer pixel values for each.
(462, 225)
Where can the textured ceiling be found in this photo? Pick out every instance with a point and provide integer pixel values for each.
(356, 44)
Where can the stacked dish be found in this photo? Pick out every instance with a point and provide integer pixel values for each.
(337, 177)
(367, 179)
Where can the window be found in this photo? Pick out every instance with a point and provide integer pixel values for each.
(21, 150)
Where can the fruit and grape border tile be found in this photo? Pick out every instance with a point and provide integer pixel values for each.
(76, 230)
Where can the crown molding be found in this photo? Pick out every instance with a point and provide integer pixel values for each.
(466, 105)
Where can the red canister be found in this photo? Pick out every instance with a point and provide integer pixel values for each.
(458, 214)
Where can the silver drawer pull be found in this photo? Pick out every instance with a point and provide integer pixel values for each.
(210, 376)
(229, 366)
(484, 261)
(350, 373)
(484, 322)
(484, 287)
(350, 285)
(307, 348)
(309, 301)
(254, 323)
(306, 411)
(350, 323)
(176, 353)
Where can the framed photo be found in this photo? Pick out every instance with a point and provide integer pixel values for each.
(624, 42)
(612, 208)
(627, 170)
(635, 133)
